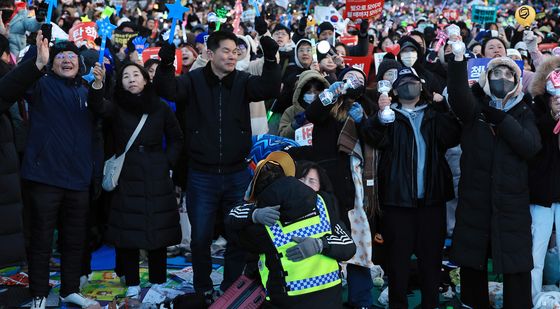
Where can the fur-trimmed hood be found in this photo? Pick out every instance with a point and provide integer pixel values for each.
(502, 61)
(538, 86)
(303, 79)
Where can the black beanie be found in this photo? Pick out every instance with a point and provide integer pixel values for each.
(386, 65)
(325, 26)
(62, 47)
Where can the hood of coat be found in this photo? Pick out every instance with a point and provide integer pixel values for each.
(243, 64)
(296, 59)
(502, 61)
(303, 79)
(296, 199)
(538, 85)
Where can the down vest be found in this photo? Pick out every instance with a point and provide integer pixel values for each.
(493, 207)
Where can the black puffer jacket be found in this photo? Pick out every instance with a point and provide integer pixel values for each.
(217, 120)
(144, 210)
(11, 225)
(398, 162)
(296, 200)
(493, 207)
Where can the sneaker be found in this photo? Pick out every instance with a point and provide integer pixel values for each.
(84, 280)
(122, 279)
(133, 292)
(39, 303)
(79, 299)
(211, 296)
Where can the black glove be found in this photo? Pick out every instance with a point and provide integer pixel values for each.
(493, 115)
(167, 54)
(260, 25)
(47, 31)
(432, 56)
(269, 47)
(299, 120)
(364, 28)
(302, 24)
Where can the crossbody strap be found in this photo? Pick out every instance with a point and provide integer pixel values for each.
(136, 132)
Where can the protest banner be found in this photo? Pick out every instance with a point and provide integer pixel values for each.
(304, 135)
(349, 40)
(477, 66)
(362, 63)
(450, 14)
(83, 34)
(152, 53)
(121, 38)
(364, 9)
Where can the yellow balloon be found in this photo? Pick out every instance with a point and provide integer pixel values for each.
(525, 15)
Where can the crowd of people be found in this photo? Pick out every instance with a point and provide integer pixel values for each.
(406, 150)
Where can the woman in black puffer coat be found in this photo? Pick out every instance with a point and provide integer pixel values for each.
(144, 212)
(499, 138)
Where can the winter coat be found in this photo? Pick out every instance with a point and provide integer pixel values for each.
(398, 162)
(493, 206)
(296, 200)
(545, 167)
(59, 145)
(285, 129)
(19, 26)
(11, 224)
(144, 210)
(217, 118)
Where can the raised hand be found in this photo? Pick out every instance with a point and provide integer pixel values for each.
(99, 74)
(42, 51)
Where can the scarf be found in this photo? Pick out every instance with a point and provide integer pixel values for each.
(146, 102)
(363, 169)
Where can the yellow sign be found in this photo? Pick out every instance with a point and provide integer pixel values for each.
(525, 15)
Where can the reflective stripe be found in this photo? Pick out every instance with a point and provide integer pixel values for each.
(323, 226)
(308, 283)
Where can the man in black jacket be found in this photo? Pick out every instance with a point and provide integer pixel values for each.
(218, 140)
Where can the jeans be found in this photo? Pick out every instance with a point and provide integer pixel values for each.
(359, 286)
(543, 219)
(211, 197)
(48, 204)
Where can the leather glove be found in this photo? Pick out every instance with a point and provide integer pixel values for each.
(47, 31)
(269, 47)
(302, 25)
(167, 54)
(530, 40)
(364, 28)
(267, 215)
(299, 120)
(305, 248)
(493, 115)
(432, 56)
(356, 112)
(260, 25)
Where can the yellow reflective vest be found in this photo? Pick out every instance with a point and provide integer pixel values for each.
(315, 273)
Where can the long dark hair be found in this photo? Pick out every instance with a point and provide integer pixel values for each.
(143, 71)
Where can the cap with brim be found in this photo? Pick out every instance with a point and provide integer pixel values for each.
(409, 44)
(278, 157)
(406, 74)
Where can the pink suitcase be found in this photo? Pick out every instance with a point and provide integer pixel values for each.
(244, 293)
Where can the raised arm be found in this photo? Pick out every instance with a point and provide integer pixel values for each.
(14, 84)
(461, 98)
(168, 86)
(96, 102)
(173, 136)
(266, 86)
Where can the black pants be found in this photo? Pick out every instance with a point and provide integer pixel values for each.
(419, 231)
(474, 289)
(46, 204)
(127, 264)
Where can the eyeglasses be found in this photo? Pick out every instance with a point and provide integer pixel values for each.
(305, 50)
(502, 73)
(68, 56)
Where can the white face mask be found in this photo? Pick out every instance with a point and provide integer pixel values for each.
(309, 97)
(194, 23)
(409, 58)
(370, 32)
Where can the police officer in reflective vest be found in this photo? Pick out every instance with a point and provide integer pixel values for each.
(297, 234)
